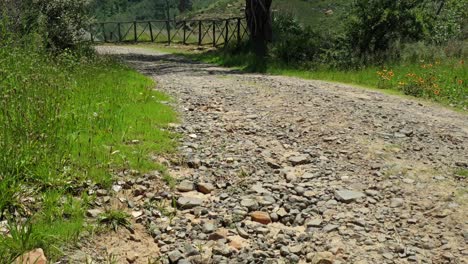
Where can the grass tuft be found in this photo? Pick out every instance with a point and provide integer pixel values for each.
(114, 219)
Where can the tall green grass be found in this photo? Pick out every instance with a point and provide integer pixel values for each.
(68, 123)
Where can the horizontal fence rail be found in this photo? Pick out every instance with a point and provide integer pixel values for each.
(190, 32)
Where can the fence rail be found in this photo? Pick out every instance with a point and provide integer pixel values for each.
(194, 32)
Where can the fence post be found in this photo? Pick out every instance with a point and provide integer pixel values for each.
(104, 32)
(214, 33)
(185, 26)
(168, 28)
(151, 31)
(200, 40)
(238, 31)
(135, 31)
(226, 36)
(91, 33)
(119, 32)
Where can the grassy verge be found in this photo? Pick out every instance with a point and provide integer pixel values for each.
(68, 124)
(444, 81)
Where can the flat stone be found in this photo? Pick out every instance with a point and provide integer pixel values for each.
(185, 186)
(282, 212)
(299, 160)
(137, 214)
(174, 256)
(208, 227)
(35, 256)
(396, 202)
(308, 175)
(237, 242)
(297, 249)
(372, 192)
(258, 188)
(205, 188)
(314, 222)
(131, 257)
(387, 255)
(348, 196)
(272, 163)
(330, 139)
(187, 202)
(249, 203)
(323, 258)
(116, 188)
(261, 217)
(329, 228)
(221, 233)
(93, 213)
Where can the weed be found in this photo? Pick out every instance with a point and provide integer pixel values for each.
(114, 219)
(462, 173)
(169, 180)
(243, 174)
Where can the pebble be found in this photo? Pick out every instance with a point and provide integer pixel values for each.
(94, 212)
(261, 217)
(205, 188)
(299, 160)
(187, 202)
(347, 196)
(396, 202)
(185, 186)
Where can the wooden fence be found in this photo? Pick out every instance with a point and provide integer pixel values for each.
(198, 32)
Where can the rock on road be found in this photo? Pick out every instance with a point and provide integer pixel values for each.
(285, 170)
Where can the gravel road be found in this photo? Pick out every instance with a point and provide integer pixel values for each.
(277, 169)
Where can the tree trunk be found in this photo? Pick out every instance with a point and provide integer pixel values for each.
(258, 16)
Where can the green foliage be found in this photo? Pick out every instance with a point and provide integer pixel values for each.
(462, 173)
(294, 43)
(451, 23)
(60, 24)
(374, 26)
(114, 219)
(129, 10)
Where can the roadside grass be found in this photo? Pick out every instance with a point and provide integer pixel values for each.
(442, 81)
(115, 219)
(462, 173)
(68, 123)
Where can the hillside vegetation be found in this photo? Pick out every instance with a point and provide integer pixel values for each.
(320, 14)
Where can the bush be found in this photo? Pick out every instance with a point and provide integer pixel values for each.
(448, 24)
(60, 23)
(293, 43)
(376, 26)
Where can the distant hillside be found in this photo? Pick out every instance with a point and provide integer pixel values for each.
(208, 9)
(325, 15)
(321, 14)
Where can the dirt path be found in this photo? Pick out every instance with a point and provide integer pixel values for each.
(307, 171)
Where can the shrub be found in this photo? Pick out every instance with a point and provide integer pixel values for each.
(293, 43)
(61, 23)
(447, 25)
(375, 26)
